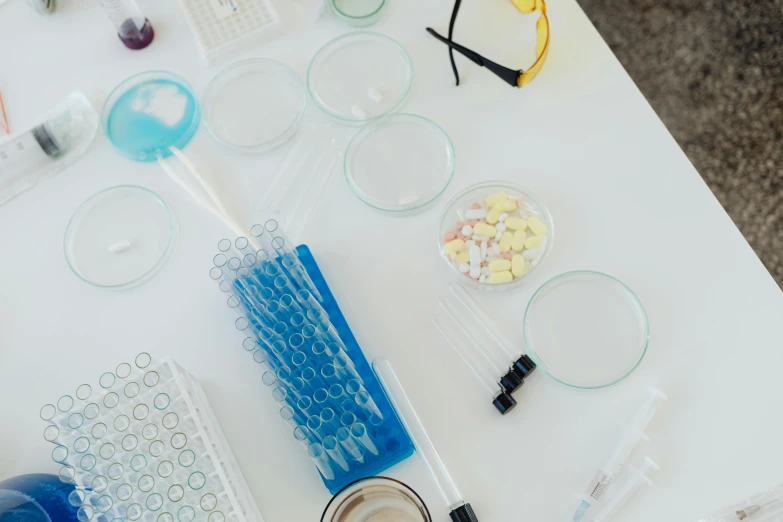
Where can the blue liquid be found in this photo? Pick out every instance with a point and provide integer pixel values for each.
(152, 116)
(36, 498)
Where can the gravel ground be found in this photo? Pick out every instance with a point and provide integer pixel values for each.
(713, 71)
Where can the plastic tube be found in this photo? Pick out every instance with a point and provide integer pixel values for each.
(493, 331)
(631, 486)
(133, 29)
(359, 432)
(332, 448)
(460, 510)
(349, 445)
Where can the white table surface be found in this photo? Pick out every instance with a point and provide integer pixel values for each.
(625, 201)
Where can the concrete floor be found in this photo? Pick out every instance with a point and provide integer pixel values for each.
(713, 71)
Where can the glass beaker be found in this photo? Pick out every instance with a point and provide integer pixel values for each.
(376, 499)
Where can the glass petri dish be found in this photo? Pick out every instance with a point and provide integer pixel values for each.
(358, 13)
(586, 329)
(254, 105)
(150, 112)
(119, 237)
(376, 499)
(456, 212)
(344, 72)
(399, 164)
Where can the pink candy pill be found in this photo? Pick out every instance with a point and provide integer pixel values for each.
(459, 225)
(448, 236)
(476, 205)
(473, 222)
(506, 255)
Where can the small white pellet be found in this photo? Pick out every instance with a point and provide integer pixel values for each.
(482, 278)
(496, 249)
(475, 213)
(480, 238)
(453, 256)
(500, 227)
(531, 254)
(358, 112)
(498, 236)
(486, 271)
(475, 256)
(374, 94)
(475, 272)
(492, 257)
(483, 251)
(118, 247)
(464, 268)
(523, 213)
(502, 217)
(467, 230)
(469, 244)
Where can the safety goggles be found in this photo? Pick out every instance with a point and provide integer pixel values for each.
(515, 78)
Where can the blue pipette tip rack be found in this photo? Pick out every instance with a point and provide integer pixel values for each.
(308, 347)
(395, 446)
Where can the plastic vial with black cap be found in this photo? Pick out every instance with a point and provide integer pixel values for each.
(492, 377)
(459, 510)
(519, 363)
(133, 29)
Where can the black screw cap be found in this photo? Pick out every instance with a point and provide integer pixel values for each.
(463, 513)
(523, 366)
(511, 381)
(504, 403)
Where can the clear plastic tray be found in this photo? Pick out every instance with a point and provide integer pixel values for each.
(254, 105)
(586, 329)
(400, 164)
(345, 70)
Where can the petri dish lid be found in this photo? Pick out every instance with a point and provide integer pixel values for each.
(119, 237)
(150, 112)
(399, 164)
(586, 329)
(254, 105)
(345, 71)
(358, 12)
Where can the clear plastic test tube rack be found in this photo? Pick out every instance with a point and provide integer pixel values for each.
(144, 445)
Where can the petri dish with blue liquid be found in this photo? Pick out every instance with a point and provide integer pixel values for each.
(149, 113)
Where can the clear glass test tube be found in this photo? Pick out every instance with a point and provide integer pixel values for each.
(460, 510)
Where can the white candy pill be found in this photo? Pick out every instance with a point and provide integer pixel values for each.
(464, 268)
(475, 213)
(486, 271)
(500, 227)
(475, 272)
(469, 243)
(482, 278)
(467, 230)
(498, 235)
(502, 217)
(480, 238)
(496, 249)
(531, 254)
(374, 94)
(453, 256)
(118, 247)
(358, 112)
(483, 251)
(475, 256)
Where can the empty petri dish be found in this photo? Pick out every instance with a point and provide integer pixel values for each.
(399, 164)
(150, 112)
(344, 72)
(376, 498)
(586, 329)
(119, 237)
(254, 105)
(358, 13)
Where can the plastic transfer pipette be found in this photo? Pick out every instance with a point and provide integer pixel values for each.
(460, 511)
(633, 432)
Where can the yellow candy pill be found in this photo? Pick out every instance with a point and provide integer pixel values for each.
(494, 198)
(505, 241)
(464, 256)
(518, 266)
(506, 205)
(500, 277)
(494, 214)
(533, 242)
(518, 242)
(515, 223)
(500, 265)
(482, 229)
(455, 245)
(536, 226)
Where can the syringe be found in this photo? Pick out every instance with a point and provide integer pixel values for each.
(631, 486)
(633, 432)
(460, 511)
